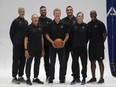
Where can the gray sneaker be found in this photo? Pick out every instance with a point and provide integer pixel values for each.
(15, 81)
(21, 79)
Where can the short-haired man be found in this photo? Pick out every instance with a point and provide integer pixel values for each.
(96, 46)
(34, 48)
(80, 36)
(57, 29)
(17, 32)
(68, 20)
(44, 21)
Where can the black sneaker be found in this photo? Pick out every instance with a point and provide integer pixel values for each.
(15, 81)
(62, 81)
(50, 80)
(28, 81)
(37, 81)
(47, 79)
(75, 81)
(21, 79)
(83, 82)
(92, 80)
(100, 81)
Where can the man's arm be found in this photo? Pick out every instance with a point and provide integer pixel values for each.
(66, 38)
(42, 46)
(12, 30)
(26, 47)
(50, 40)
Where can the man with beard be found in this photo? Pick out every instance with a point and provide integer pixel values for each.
(69, 20)
(44, 21)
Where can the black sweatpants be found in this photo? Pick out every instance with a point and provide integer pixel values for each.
(61, 54)
(67, 52)
(47, 61)
(18, 60)
(37, 56)
(82, 53)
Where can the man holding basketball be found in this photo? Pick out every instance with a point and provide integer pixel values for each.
(57, 30)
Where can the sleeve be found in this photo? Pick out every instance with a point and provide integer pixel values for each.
(27, 33)
(47, 29)
(12, 30)
(88, 32)
(103, 28)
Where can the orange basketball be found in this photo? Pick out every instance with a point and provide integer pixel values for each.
(58, 43)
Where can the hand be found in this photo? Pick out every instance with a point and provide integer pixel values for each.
(27, 54)
(53, 45)
(63, 44)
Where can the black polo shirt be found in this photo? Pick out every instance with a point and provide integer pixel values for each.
(17, 31)
(44, 22)
(97, 29)
(69, 23)
(57, 30)
(34, 34)
(80, 35)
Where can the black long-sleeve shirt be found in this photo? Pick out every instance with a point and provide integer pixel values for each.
(17, 31)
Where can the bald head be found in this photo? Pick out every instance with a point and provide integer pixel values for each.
(21, 12)
(35, 19)
(93, 14)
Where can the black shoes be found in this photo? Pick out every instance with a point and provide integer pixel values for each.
(37, 81)
(92, 80)
(100, 81)
(15, 81)
(83, 82)
(62, 81)
(75, 81)
(21, 79)
(28, 81)
(50, 80)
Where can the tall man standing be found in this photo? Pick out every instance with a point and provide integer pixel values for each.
(69, 20)
(44, 21)
(57, 29)
(80, 36)
(96, 46)
(17, 32)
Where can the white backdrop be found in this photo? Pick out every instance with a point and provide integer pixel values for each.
(8, 12)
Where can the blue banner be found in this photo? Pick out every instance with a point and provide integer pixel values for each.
(111, 27)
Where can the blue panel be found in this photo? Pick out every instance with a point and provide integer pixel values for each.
(111, 27)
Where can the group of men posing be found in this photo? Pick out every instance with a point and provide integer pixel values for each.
(37, 40)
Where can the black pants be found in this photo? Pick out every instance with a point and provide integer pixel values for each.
(37, 56)
(18, 61)
(67, 52)
(61, 55)
(82, 53)
(46, 61)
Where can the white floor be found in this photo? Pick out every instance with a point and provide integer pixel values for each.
(6, 63)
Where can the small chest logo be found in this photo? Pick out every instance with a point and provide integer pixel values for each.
(61, 26)
(95, 26)
(83, 27)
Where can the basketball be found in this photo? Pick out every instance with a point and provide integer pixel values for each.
(58, 43)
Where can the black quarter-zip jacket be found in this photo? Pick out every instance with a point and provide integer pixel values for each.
(17, 31)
